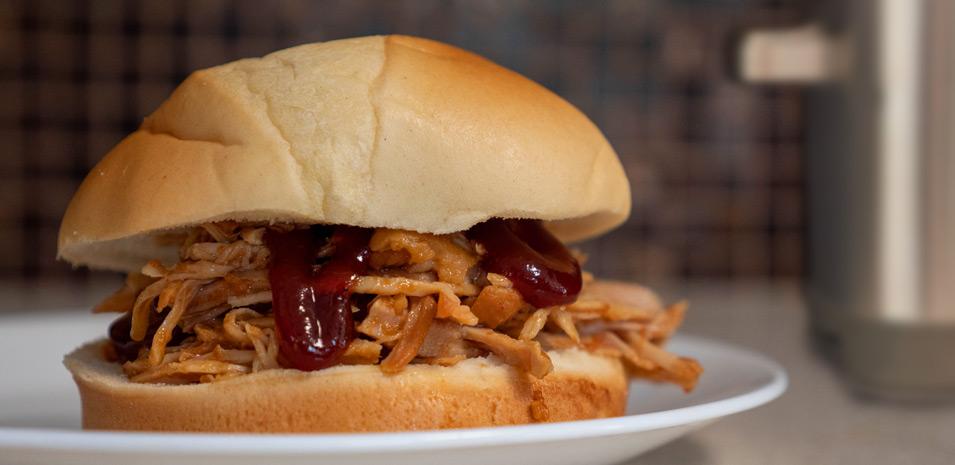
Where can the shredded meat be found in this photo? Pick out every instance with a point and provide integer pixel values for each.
(499, 280)
(445, 341)
(250, 299)
(208, 317)
(187, 270)
(445, 255)
(386, 315)
(194, 316)
(610, 343)
(551, 341)
(235, 326)
(418, 322)
(239, 254)
(628, 295)
(221, 232)
(657, 328)
(141, 308)
(176, 372)
(495, 305)
(411, 247)
(534, 324)
(242, 342)
(665, 323)
(185, 292)
(565, 322)
(667, 367)
(380, 285)
(450, 307)
(525, 355)
(362, 352)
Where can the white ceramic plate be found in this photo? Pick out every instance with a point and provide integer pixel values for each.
(40, 418)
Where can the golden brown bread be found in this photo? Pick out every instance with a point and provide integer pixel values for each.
(473, 393)
(384, 131)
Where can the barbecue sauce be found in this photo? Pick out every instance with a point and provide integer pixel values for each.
(542, 269)
(311, 301)
(311, 296)
(125, 347)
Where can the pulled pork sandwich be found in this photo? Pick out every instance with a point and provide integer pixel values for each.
(360, 235)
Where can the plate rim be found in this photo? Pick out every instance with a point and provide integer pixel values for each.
(14, 438)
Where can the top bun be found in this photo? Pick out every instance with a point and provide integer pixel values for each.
(384, 131)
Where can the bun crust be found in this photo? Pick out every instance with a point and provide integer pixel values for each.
(473, 393)
(383, 131)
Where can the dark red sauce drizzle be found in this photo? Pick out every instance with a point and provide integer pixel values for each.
(541, 268)
(125, 347)
(311, 302)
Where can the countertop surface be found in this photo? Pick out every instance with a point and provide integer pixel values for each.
(817, 421)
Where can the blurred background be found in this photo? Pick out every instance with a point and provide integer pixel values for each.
(790, 163)
(716, 166)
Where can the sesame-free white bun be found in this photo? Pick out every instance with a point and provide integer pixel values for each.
(383, 131)
(475, 392)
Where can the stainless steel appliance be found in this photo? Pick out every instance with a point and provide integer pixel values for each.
(881, 174)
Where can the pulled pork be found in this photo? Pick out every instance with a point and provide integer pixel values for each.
(208, 317)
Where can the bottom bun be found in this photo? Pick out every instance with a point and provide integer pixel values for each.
(476, 392)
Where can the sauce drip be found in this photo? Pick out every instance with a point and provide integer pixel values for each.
(125, 347)
(541, 268)
(311, 303)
